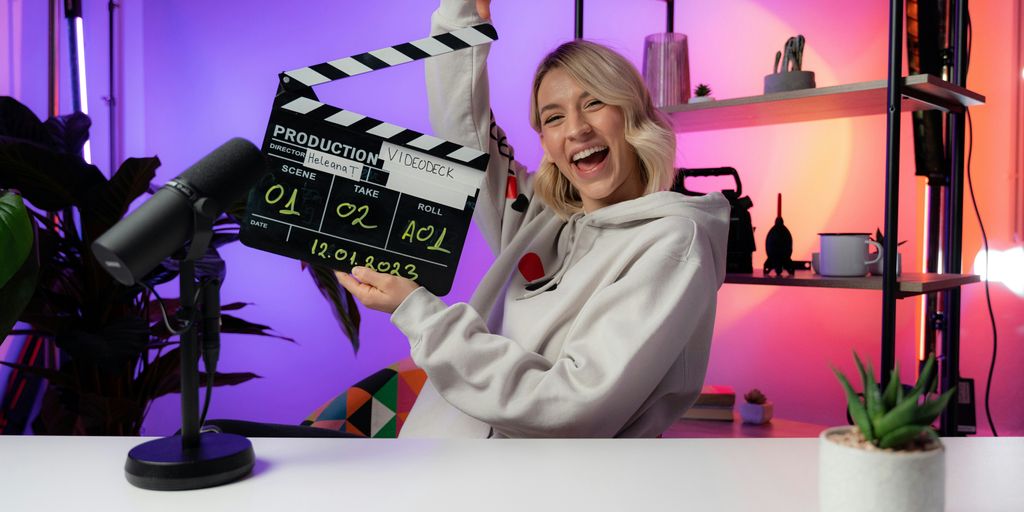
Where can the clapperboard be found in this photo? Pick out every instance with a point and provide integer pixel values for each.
(348, 190)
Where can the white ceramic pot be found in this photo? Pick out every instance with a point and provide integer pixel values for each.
(700, 99)
(877, 267)
(856, 480)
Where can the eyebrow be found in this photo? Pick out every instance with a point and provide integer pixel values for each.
(584, 95)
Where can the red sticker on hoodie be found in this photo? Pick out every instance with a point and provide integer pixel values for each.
(511, 188)
(531, 267)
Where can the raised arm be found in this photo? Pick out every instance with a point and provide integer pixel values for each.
(459, 97)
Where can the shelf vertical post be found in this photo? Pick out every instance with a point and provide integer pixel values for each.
(950, 374)
(670, 16)
(579, 20)
(892, 185)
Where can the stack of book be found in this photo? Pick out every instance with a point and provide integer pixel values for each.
(714, 403)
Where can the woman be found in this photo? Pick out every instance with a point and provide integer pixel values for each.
(596, 318)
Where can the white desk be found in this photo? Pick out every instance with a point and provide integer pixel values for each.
(356, 475)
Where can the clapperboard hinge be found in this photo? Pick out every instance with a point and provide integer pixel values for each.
(300, 82)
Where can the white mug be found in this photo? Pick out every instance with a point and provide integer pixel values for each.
(846, 254)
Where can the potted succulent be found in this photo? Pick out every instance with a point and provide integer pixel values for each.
(877, 267)
(891, 458)
(756, 409)
(701, 94)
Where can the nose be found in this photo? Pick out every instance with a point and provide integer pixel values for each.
(578, 126)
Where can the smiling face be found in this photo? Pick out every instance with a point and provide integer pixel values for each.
(585, 139)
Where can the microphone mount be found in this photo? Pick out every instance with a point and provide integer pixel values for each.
(193, 459)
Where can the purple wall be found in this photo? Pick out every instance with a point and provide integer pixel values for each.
(197, 74)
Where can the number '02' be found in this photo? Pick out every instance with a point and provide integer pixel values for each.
(276, 193)
(424, 234)
(347, 209)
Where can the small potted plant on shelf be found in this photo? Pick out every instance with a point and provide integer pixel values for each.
(891, 459)
(701, 94)
(756, 409)
(877, 267)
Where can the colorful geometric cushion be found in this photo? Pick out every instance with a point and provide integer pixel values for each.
(376, 406)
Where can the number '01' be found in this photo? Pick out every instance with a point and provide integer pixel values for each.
(276, 193)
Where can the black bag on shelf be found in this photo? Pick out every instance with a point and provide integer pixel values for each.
(740, 253)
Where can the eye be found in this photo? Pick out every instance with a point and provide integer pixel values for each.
(552, 118)
(595, 103)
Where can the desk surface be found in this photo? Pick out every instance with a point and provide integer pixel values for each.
(359, 475)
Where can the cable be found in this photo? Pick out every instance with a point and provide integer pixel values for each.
(210, 371)
(209, 395)
(209, 360)
(163, 312)
(988, 272)
(984, 240)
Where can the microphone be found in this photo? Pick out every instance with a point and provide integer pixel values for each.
(163, 224)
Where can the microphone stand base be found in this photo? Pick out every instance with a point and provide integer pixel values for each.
(164, 465)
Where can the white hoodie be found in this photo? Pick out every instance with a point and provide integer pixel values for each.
(597, 326)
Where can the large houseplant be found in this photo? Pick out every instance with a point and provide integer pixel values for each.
(891, 458)
(116, 354)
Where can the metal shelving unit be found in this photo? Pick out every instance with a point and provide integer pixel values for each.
(892, 96)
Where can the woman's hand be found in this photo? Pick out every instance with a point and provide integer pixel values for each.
(383, 292)
(483, 8)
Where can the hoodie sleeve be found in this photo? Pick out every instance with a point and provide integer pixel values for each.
(619, 348)
(459, 98)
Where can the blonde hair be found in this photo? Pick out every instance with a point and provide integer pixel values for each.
(611, 78)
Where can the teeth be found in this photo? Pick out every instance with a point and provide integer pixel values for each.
(587, 152)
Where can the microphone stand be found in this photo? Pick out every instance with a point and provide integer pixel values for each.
(193, 460)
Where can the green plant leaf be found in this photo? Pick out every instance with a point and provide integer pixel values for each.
(343, 305)
(857, 410)
(931, 409)
(233, 324)
(902, 436)
(116, 345)
(901, 415)
(19, 122)
(228, 379)
(891, 396)
(68, 132)
(862, 372)
(49, 180)
(173, 381)
(873, 397)
(16, 235)
(234, 306)
(109, 201)
(54, 376)
(160, 376)
(924, 381)
(16, 294)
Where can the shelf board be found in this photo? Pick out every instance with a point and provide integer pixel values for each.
(777, 427)
(910, 284)
(921, 92)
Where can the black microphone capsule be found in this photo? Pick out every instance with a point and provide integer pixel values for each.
(135, 245)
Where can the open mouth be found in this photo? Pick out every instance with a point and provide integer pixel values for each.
(590, 159)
